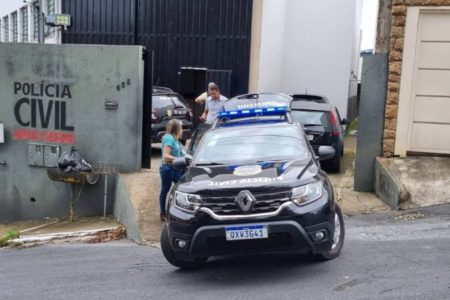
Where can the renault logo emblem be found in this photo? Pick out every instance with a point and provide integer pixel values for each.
(245, 200)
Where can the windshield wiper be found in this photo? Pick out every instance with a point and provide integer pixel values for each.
(213, 163)
(310, 125)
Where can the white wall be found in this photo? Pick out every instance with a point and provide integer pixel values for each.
(310, 45)
(272, 45)
(8, 6)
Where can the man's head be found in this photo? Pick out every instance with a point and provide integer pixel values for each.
(214, 90)
(211, 85)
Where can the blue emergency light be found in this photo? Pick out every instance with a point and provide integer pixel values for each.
(264, 111)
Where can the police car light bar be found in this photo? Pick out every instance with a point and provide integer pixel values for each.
(266, 111)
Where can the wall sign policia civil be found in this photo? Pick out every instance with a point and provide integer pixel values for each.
(41, 112)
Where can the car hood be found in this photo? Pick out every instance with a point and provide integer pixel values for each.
(262, 176)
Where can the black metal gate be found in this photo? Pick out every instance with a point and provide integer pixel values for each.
(212, 34)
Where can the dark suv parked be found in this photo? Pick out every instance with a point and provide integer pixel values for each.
(166, 105)
(309, 97)
(253, 185)
(323, 127)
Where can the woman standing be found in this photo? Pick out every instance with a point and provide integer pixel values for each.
(171, 149)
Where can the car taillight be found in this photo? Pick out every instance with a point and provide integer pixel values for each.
(154, 117)
(334, 124)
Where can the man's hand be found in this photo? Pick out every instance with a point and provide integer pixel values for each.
(202, 118)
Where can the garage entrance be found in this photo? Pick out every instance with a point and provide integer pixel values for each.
(424, 121)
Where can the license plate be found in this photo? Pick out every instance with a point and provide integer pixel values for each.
(310, 137)
(249, 232)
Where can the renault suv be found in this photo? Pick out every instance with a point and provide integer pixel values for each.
(253, 185)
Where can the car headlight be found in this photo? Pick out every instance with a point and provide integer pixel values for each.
(307, 193)
(187, 202)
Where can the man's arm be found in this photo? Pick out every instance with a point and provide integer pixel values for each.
(204, 116)
(202, 98)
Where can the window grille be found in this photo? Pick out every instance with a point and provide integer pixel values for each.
(6, 27)
(24, 24)
(15, 33)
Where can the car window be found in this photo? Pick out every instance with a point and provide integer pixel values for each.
(164, 100)
(195, 141)
(177, 101)
(251, 144)
(301, 97)
(309, 118)
(161, 101)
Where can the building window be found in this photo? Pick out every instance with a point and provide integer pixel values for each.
(50, 11)
(25, 24)
(6, 26)
(35, 22)
(15, 33)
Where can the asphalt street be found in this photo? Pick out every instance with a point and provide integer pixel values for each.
(386, 256)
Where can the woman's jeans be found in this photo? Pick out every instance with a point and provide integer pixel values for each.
(168, 175)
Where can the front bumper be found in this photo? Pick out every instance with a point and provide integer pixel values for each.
(290, 231)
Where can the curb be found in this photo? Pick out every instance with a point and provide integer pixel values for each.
(84, 236)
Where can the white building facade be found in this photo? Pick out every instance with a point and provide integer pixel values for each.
(19, 21)
(308, 46)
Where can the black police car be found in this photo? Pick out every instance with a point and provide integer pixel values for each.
(166, 105)
(253, 185)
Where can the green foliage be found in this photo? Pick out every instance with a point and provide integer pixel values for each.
(10, 235)
(352, 126)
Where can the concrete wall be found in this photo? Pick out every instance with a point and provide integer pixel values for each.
(125, 212)
(56, 95)
(307, 45)
(273, 46)
(371, 120)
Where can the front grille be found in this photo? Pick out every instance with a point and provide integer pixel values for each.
(265, 202)
(219, 245)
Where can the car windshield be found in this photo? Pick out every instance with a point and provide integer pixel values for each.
(250, 144)
(317, 99)
(311, 118)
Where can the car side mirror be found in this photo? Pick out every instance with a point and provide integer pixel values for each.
(326, 152)
(182, 162)
(345, 122)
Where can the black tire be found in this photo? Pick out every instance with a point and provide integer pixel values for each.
(172, 258)
(337, 247)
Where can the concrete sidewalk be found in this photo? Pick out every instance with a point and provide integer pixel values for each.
(352, 202)
(413, 181)
(36, 232)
